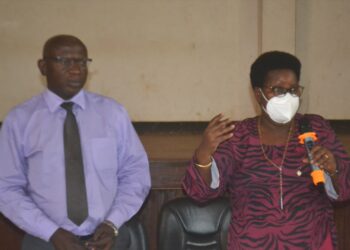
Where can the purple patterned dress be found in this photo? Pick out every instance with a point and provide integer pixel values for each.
(253, 184)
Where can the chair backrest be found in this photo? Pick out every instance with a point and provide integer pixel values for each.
(132, 236)
(187, 225)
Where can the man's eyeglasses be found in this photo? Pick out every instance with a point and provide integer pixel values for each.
(279, 91)
(68, 62)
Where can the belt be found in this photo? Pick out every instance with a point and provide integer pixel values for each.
(85, 237)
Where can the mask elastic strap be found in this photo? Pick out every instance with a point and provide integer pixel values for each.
(262, 106)
(263, 95)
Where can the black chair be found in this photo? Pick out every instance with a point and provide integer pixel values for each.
(187, 225)
(132, 236)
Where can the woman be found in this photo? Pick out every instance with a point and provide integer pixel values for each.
(265, 169)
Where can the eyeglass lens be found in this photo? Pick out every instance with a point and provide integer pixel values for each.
(68, 62)
(279, 91)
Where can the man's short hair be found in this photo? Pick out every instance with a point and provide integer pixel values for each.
(61, 40)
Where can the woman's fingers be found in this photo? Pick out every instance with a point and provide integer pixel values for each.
(318, 155)
(214, 133)
(218, 130)
(223, 138)
(219, 125)
(323, 158)
(225, 130)
(214, 120)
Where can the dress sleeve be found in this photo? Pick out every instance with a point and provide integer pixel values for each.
(195, 186)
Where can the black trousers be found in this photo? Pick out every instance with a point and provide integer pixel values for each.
(33, 243)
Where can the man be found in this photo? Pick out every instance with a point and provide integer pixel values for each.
(72, 167)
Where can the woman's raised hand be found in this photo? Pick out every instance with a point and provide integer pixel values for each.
(218, 130)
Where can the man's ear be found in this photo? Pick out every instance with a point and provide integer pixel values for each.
(42, 66)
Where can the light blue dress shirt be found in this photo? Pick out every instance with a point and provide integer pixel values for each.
(32, 171)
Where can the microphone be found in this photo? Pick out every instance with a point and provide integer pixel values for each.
(308, 138)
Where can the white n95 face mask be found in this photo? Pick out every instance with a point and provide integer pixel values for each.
(282, 109)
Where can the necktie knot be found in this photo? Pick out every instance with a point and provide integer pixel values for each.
(67, 106)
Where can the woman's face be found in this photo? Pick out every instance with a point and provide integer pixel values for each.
(277, 81)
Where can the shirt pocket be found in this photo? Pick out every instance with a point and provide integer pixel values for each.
(104, 154)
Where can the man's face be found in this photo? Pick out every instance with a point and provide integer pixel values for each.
(64, 69)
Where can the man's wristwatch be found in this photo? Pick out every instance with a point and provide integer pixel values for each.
(111, 225)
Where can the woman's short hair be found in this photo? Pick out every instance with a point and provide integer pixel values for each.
(269, 61)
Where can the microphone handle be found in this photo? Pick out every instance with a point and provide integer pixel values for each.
(316, 174)
(309, 145)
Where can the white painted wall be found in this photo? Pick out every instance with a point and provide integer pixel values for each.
(323, 45)
(180, 60)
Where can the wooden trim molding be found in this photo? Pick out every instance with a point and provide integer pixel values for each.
(198, 127)
(342, 126)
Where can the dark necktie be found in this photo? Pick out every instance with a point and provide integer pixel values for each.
(77, 208)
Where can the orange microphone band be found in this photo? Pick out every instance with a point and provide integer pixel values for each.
(302, 137)
(318, 176)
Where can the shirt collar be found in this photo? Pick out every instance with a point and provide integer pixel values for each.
(53, 101)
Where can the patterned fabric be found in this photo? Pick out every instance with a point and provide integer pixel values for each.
(253, 185)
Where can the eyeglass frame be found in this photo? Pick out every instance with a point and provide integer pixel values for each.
(285, 91)
(68, 62)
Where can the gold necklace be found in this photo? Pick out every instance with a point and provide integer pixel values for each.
(280, 167)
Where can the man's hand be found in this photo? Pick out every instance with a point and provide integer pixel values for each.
(64, 240)
(103, 238)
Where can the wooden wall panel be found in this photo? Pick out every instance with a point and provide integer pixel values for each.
(342, 221)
